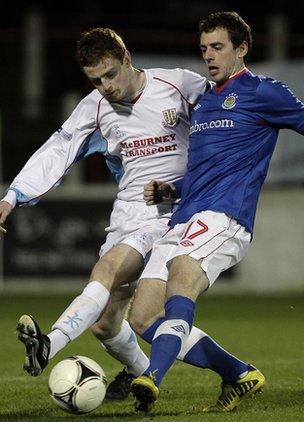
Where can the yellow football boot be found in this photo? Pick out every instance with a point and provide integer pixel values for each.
(145, 392)
(234, 393)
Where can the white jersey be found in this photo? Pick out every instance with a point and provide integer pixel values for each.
(143, 140)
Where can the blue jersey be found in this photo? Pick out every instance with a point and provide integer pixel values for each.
(233, 133)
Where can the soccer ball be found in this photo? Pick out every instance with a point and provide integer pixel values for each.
(77, 384)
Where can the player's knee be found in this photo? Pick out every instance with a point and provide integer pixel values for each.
(136, 325)
(138, 322)
(97, 331)
(186, 277)
(103, 330)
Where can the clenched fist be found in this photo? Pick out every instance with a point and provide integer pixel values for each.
(157, 191)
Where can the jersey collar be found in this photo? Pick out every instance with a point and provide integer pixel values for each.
(219, 89)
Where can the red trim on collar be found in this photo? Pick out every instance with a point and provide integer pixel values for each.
(136, 98)
(219, 89)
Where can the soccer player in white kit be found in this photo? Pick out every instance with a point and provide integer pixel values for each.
(139, 121)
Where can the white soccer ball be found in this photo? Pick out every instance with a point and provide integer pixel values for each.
(77, 384)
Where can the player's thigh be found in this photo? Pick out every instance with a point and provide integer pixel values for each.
(186, 277)
(148, 304)
(211, 239)
(121, 264)
(156, 267)
(109, 324)
(135, 224)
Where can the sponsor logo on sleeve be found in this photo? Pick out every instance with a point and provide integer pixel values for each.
(65, 135)
(118, 132)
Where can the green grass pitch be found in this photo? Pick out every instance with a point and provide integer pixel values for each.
(267, 332)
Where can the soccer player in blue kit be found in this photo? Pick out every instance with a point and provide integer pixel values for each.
(233, 133)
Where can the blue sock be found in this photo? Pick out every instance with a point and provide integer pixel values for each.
(206, 353)
(149, 333)
(167, 342)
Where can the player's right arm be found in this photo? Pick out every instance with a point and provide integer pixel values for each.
(46, 167)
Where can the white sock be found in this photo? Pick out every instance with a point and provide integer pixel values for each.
(194, 336)
(125, 348)
(58, 341)
(83, 312)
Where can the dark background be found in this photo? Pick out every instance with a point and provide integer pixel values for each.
(162, 27)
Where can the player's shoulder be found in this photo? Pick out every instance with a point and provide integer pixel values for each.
(88, 105)
(262, 82)
(92, 98)
(261, 85)
(272, 93)
(175, 76)
(85, 111)
(268, 82)
(271, 89)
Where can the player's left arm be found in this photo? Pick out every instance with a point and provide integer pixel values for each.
(279, 106)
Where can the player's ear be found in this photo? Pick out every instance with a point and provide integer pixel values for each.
(242, 49)
(127, 59)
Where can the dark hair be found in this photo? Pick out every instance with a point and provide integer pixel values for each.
(236, 27)
(98, 43)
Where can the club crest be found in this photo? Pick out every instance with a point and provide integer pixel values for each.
(230, 101)
(171, 118)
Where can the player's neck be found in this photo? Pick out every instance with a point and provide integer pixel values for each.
(139, 82)
(137, 85)
(232, 76)
(237, 72)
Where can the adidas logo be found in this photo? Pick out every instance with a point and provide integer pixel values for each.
(179, 329)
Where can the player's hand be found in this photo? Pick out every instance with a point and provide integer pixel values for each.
(5, 210)
(157, 191)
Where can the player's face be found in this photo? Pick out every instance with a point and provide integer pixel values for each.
(221, 57)
(111, 77)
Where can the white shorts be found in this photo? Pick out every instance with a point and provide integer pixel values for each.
(137, 225)
(211, 236)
